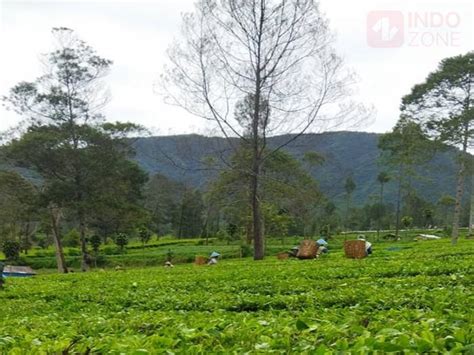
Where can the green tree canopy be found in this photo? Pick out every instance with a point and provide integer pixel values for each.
(286, 186)
(82, 160)
(443, 106)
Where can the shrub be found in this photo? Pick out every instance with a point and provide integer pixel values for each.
(72, 238)
(121, 239)
(224, 235)
(11, 249)
(407, 221)
(42, 241)
(169, 255)
(73, 252)
(447, 230)
(109, 250)
(95, 241)
(245, 250)
(144, 235)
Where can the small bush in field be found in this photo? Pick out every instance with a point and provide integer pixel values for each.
(72, 238)
(95, 241)
(11, 249)
(121, 240)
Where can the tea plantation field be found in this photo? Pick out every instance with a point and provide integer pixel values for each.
(416, 297)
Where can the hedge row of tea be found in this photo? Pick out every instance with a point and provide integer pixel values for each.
(412, 297)
(182, 250)
(155, 256)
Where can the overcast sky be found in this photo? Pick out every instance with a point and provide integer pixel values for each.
(135, 35)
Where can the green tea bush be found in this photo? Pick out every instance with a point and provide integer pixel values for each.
(73, 252)
(406, 298)
(110, 250)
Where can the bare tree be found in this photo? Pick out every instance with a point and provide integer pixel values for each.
(276, 55)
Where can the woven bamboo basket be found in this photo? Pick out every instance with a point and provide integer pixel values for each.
(200, 260)
(308, 250)
(355, 249)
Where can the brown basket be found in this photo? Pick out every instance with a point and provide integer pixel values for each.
(282, 256)
(200, 260)
(308, 250)
(355, 249)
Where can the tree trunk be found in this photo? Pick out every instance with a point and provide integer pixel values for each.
(471, 212)
(380, 216)
(249, 232)
(346, 217)
(181, 220)
(60, 260)
(85, 255)
(258, 237)
(399, 197)
(459, 193)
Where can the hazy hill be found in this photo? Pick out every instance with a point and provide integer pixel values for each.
(182, 158)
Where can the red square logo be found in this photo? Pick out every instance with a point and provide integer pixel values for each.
(385, 29)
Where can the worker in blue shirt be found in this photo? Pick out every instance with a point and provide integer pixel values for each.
(322, 246)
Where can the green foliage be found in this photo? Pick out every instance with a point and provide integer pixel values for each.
(95, 242)
(407, 221)
(277, 221)
(244, 114)
(174, 207)
(403, 151)
(349, 185)
(351, 152)
(41, 241)
(72, 238)
(245, 250)
(406, 146)
(121, 239)
(415, 299)
(313, 159)
(18, 207)
(169, 255)
(325, 231)
(144, 234)
(443, 106)
(189, 218)
(417, 208)
(448, 92)
(447, 230)
(84, 164)
(233, 231)
(223, 235)
(11, 249)
(383, 177)
(447, 200)
(289, 195)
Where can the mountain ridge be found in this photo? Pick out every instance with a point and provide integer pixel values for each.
(346, 153)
